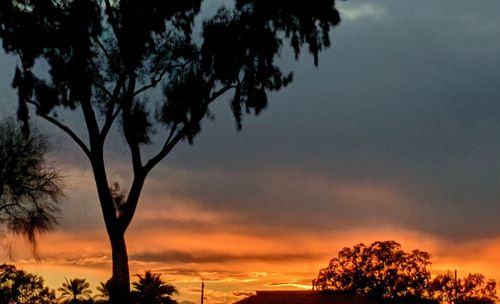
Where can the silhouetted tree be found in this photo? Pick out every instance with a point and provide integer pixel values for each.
(104, 56)
(75, 291)
(472, 289)
(152, 289)
(28, 188)
(381, 270)
(103, 296)
(19, 287)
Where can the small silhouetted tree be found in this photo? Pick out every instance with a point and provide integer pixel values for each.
(19, 287)
(29, 189)
(472, 289)
(151, 289)
(102, 297)
(137, 66)
(75, 291)
(381, 270)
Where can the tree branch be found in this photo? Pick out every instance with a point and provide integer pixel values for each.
(112, 19)
(172, 132)
(128, 210)
(102, 87)
(131, 141)
(110, 116)
(172, 141)
(6, 206)
(109, 123)
(104, 50)
(167, 147)
(221, 92)
(92, 125)
(63, 127)
(159, 77)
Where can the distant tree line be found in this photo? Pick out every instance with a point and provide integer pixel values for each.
(20, 287)
(387, 274)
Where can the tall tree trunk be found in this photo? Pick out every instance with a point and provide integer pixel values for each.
(119, 284)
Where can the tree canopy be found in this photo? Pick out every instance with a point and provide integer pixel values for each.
(152, 69)
(29, 189)
(19, 287)
(472, 289)
(386, 273)
(380, 270)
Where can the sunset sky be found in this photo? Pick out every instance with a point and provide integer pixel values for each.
(395, 136)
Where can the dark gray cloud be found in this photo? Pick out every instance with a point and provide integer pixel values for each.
(408, 98)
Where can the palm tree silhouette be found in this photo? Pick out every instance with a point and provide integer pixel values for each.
(75, 291)
(151, 289)
(103, 296)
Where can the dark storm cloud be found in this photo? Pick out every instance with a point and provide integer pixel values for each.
(409, 98)
(403, 91)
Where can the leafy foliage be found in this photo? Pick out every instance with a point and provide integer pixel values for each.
(28, 188)
(19, 287)
(386, 273)
(380, 270)
(89, 49)
(472, 289)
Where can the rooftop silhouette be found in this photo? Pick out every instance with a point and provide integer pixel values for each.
(304, 297)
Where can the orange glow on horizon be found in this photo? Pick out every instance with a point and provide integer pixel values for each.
(189, 244)
(250, 263)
